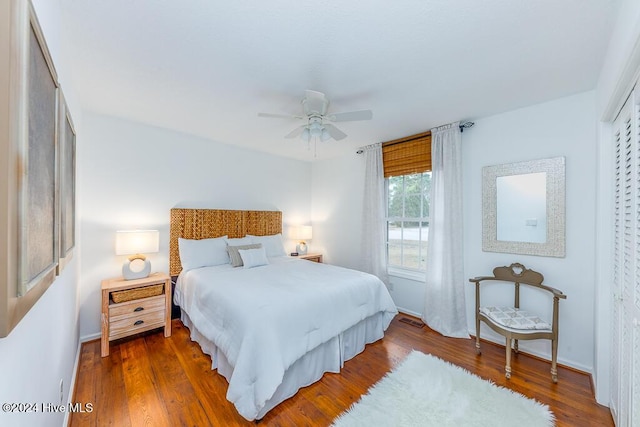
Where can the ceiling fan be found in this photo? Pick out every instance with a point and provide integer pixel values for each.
(318, 120)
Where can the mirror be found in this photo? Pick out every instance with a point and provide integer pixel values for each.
(523, 207)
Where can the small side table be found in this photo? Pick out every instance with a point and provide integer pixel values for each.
(315, 257)
(137, 315)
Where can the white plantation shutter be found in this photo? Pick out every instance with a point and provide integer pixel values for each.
(625, 366)
(634, 297)
(617, 317)
(627, 267)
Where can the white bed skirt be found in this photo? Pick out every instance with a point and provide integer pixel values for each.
(328, 357)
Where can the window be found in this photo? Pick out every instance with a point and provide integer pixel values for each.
(408, 221)
(407, 173)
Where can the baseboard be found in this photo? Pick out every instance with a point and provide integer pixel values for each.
(409, 312)
(541, 356)
(90, 337)
(72, 385)
(74, 374)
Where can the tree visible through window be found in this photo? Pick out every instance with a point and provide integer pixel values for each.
(408, 220)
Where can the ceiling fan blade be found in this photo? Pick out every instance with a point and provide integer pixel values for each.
(315, 102)
(296, 132)
(350, 116)
(335, 133)
(280, 116)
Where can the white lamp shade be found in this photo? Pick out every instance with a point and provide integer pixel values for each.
(137, 242)
(303, 232)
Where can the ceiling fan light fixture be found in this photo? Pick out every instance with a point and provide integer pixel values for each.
(325, 136)
(316, 130)
(306, 134)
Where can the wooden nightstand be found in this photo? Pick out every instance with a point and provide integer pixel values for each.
(315, 257)
(126, 318)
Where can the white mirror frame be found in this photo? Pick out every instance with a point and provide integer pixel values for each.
(555, 242)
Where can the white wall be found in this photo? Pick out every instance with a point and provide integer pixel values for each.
(337, 209)
(565, 127)
(132, 174)
(616, 75)
(41, 350)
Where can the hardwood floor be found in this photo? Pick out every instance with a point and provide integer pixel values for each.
(157, 381)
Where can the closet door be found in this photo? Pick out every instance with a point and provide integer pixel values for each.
(631, 298)
(625, 366)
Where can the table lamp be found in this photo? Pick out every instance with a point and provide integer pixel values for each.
(302, 233)
(136, 243)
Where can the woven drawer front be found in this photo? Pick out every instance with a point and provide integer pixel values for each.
(136, 307)
(137, 293)
(135, 324)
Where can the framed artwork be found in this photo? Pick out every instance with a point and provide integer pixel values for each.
(38, 227)
(29, 153)
(67, 151)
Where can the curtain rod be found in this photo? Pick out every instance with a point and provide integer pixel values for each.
(462, 126)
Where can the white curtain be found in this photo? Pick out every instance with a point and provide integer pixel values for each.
(444, 308)
(373, 220)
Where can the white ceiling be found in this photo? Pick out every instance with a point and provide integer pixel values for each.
(207, 67)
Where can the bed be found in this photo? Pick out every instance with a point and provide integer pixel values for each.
(275, 328)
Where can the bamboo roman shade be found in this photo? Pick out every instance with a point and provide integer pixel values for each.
(407, 155)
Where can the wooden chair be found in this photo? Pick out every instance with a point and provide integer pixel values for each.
(515, 324)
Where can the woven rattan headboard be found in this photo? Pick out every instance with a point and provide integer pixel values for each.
(207, 223)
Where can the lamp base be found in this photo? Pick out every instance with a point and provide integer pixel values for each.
(301, 248)
(130, 274)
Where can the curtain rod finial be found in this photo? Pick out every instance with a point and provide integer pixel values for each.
(466, 125)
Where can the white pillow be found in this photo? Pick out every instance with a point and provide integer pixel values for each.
(239, 241)
(203, 252)
(234, 255)
(272, 244)
(253, 257)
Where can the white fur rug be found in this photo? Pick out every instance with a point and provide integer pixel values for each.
(426, 391)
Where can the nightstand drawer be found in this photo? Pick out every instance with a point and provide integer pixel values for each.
(134, 324)
(136, 307)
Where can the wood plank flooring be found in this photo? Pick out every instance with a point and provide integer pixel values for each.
(155, 381)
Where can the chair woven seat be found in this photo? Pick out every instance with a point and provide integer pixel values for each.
(515, 318)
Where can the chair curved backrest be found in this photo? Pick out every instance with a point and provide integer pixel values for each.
(517, 272)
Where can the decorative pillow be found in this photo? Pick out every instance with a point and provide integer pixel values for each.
(203, 252)
(234, 255)
(253, 257)
(272, 244)
(514, 318)
(239, 241)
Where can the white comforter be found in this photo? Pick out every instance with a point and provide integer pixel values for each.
(265, 318)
